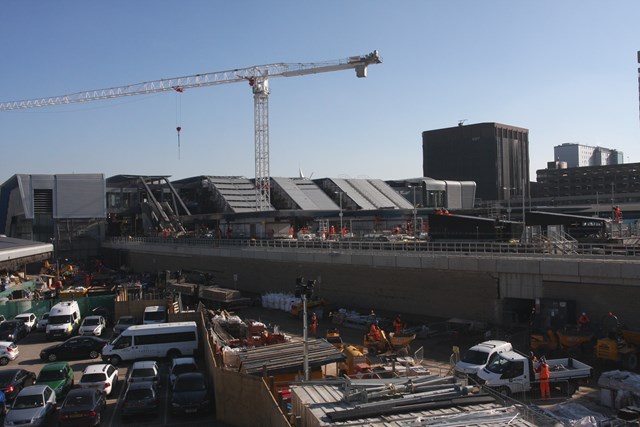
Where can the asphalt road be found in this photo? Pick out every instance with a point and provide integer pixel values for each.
(29, 359)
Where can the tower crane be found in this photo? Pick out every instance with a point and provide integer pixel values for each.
(258, 78)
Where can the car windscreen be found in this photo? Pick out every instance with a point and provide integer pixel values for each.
(50, 376)
(59, 320)
(81, 400)
(183, 368)
(155, 316)
(5, 378)
(143, 372)
(475, 357)
(7, 326)
(92, 378)
(189, 384)
(125, 321)
(28, 401)
(91, 322)
(139, 394)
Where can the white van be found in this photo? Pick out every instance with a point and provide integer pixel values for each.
(174, 339)
(154, 314)
(480, 355)
(64, 320)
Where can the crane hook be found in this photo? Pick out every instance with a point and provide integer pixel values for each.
(178, 129)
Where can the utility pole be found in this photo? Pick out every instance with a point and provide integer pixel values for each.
(340, 214)
(303, 291)
(415, 211)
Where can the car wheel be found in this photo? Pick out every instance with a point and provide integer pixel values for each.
(52, 357)
(4, 361)
(93, 354)
(115, 360)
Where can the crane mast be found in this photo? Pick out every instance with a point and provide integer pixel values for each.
(258, 77)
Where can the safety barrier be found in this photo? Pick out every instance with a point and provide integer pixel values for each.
(489, 249)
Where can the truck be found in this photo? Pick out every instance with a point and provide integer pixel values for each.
(478, 356)
(513, 372)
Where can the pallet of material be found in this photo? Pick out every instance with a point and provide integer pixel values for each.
(219, 294)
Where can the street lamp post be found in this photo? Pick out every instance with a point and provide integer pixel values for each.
(508, 202)
(415, 212)
(340, 214)
(303, 291)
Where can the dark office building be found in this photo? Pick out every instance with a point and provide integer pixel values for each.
(590, 184)
(494, 155)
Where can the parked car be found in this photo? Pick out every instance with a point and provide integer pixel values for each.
(103, 377)
(29, 320)
(8, 351)
(140, 398)
(93, 325)
(104, 312)
(13, 330)
(32, 407)
(58, 376)
(14, 380)
(189, 394)
(79, 347)
(82, 407)
(181, 365)
(144, 370)
(3, 404)
(41, 325)
(123, 323)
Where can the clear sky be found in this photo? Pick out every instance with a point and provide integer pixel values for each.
(565, 70)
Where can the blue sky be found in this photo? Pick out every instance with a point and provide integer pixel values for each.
(565, 70)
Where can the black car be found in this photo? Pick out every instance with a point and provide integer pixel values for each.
(13, 330)
(141, 398)
(189, 394)
(82, 407)
(81, 347)
(14, 380)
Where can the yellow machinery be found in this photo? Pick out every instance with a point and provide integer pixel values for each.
(356, 360)
(620, 345)
(374, 345)
(333, 337)
(298, 309)
(568, 339)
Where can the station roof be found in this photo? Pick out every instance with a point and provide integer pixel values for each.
(17, 252)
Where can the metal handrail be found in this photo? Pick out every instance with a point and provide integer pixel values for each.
(488, 249)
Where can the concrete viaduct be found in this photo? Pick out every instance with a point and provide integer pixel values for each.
(476, 285)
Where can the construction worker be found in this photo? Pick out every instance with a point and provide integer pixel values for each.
(374, 332)
(314, 325)
(398, 325)
(543, 369)
(584, 321)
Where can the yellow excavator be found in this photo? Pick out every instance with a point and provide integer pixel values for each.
(620, 345)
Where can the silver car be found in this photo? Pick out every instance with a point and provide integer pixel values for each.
(33, 406)
(93, 325)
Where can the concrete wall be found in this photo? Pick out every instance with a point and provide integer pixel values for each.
(418, 283)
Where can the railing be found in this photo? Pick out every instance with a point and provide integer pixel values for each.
(490, 249)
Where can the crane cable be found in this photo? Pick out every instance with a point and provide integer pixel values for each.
(178, 90)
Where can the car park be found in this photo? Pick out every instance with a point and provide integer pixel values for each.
(13, 330)
(103, 377)
(140, 398)
(143, 371)
(58, 376)
(122, 324)
(34, 406)
(181, 365)
(8, 351)
(92, 325)
(82, 407)
(189, 394)
(79, 347)
(41, 324)
(29, 320)
(14, 380)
